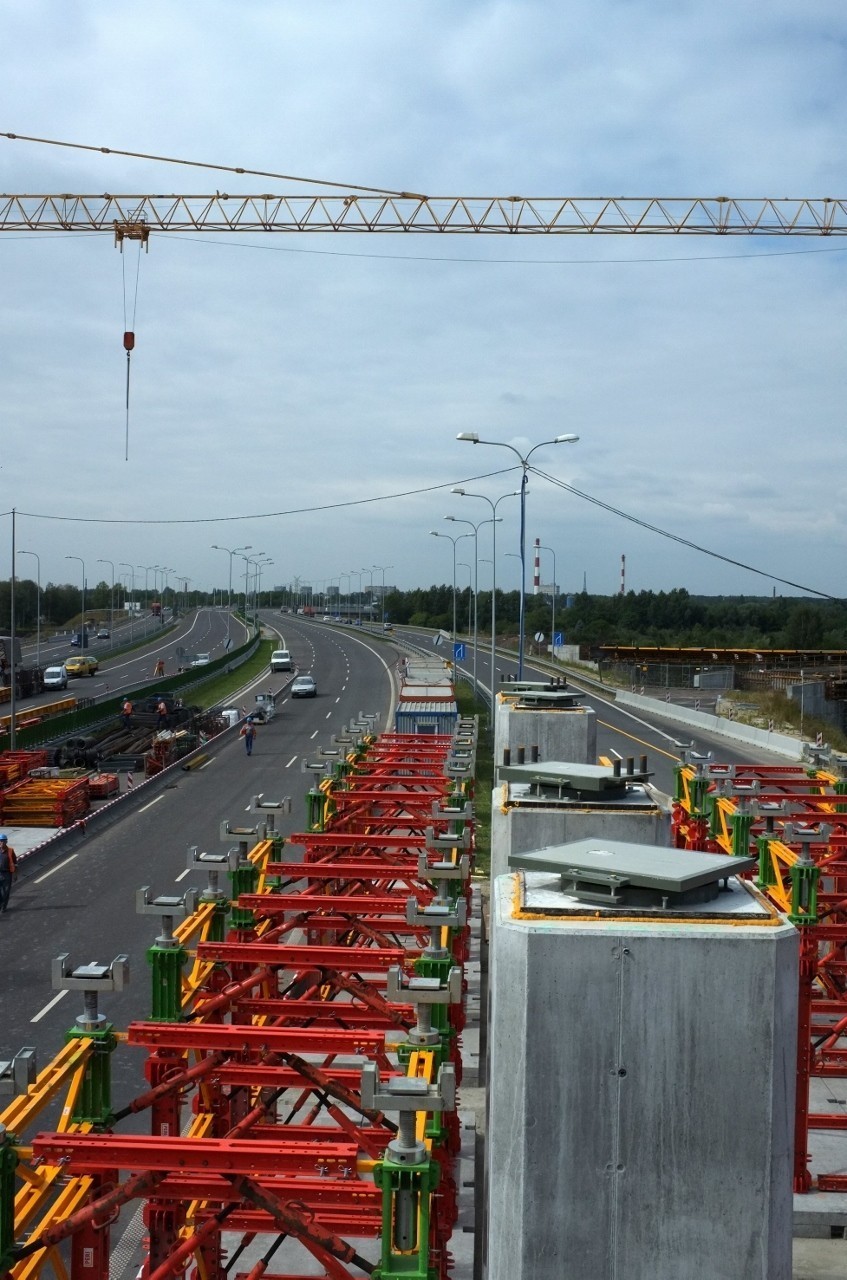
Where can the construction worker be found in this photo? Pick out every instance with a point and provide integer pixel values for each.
(8, 871)
(159, 669)
(162, 713)
(126, 714)
(248, 733)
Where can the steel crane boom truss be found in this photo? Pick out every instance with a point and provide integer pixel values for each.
(136, 216)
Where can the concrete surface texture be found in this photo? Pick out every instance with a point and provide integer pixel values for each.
(520, 822)
(641, 1092)
(559, 734)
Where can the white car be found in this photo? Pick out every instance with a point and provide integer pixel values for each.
(55, 677)
(201, 660)
(280, 660)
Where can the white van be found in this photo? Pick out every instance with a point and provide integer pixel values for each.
(280, 660)
(55, 677)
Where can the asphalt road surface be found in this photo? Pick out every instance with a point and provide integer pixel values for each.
(84, 904)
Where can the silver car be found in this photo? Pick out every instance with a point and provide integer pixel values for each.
(304, 687)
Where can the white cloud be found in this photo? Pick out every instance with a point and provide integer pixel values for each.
(298, 371)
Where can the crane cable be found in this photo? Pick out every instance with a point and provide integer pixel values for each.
(129, 336)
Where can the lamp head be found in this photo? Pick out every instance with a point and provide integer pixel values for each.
(461, 491)
(567, 439)
(453, 518)
(468, 435)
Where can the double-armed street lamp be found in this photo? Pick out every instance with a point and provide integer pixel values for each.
(476, 528)
(234, 551)
(493, 504)
(523, 459)
(260, 565)
(37, 604)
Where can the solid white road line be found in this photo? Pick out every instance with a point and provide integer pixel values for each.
(53, 870)
(49, 1005)
(145, 807)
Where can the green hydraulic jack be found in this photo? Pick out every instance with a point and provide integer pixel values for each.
(406, 1175)
(16, 1077)
(94, 1101)
(270, 808)
(213, 864)
(8, 1164)
(430, 997)
(243, 874)
(167, 956)
(805, 874)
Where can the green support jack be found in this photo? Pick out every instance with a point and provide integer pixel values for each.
(315, 808)
(741, 825)
(167, 955)
(406, 1176)
(244, 878)
(8, 1164)
(767, 877)
(805, 876)
(94, 1101)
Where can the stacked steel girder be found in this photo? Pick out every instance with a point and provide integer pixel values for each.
(794, 820)
(310, 1020)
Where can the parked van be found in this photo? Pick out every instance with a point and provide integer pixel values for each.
(280, 660)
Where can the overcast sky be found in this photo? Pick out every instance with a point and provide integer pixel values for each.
(287, 374)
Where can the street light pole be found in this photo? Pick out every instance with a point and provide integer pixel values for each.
(261, 564)
(111, 603)
(435, 534)
(83, 634)
(493, 504)
(370, 573)
(473, 438)
(122, 564)
(37, 605)
(382, 568)
(541, 547)
(234, 552)
(358, 573)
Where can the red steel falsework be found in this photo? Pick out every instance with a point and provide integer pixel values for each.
(309, 983)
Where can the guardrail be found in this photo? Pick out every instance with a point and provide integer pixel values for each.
(98, 713)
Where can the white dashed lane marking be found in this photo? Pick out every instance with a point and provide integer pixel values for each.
(49, 1005)
(53, 870)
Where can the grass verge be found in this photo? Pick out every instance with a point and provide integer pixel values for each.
(217, 691)
(484, 780)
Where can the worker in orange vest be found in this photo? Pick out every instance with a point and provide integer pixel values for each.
(8, 871)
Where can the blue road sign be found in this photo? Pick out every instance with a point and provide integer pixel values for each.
(558, 639)
(458, 653)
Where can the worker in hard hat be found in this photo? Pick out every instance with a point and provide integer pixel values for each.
(8, 871)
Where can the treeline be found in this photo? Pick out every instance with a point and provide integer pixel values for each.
(62, 603)
(643, 617)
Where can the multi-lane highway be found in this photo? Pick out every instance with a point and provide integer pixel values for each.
(84, 904)
(203, 631)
